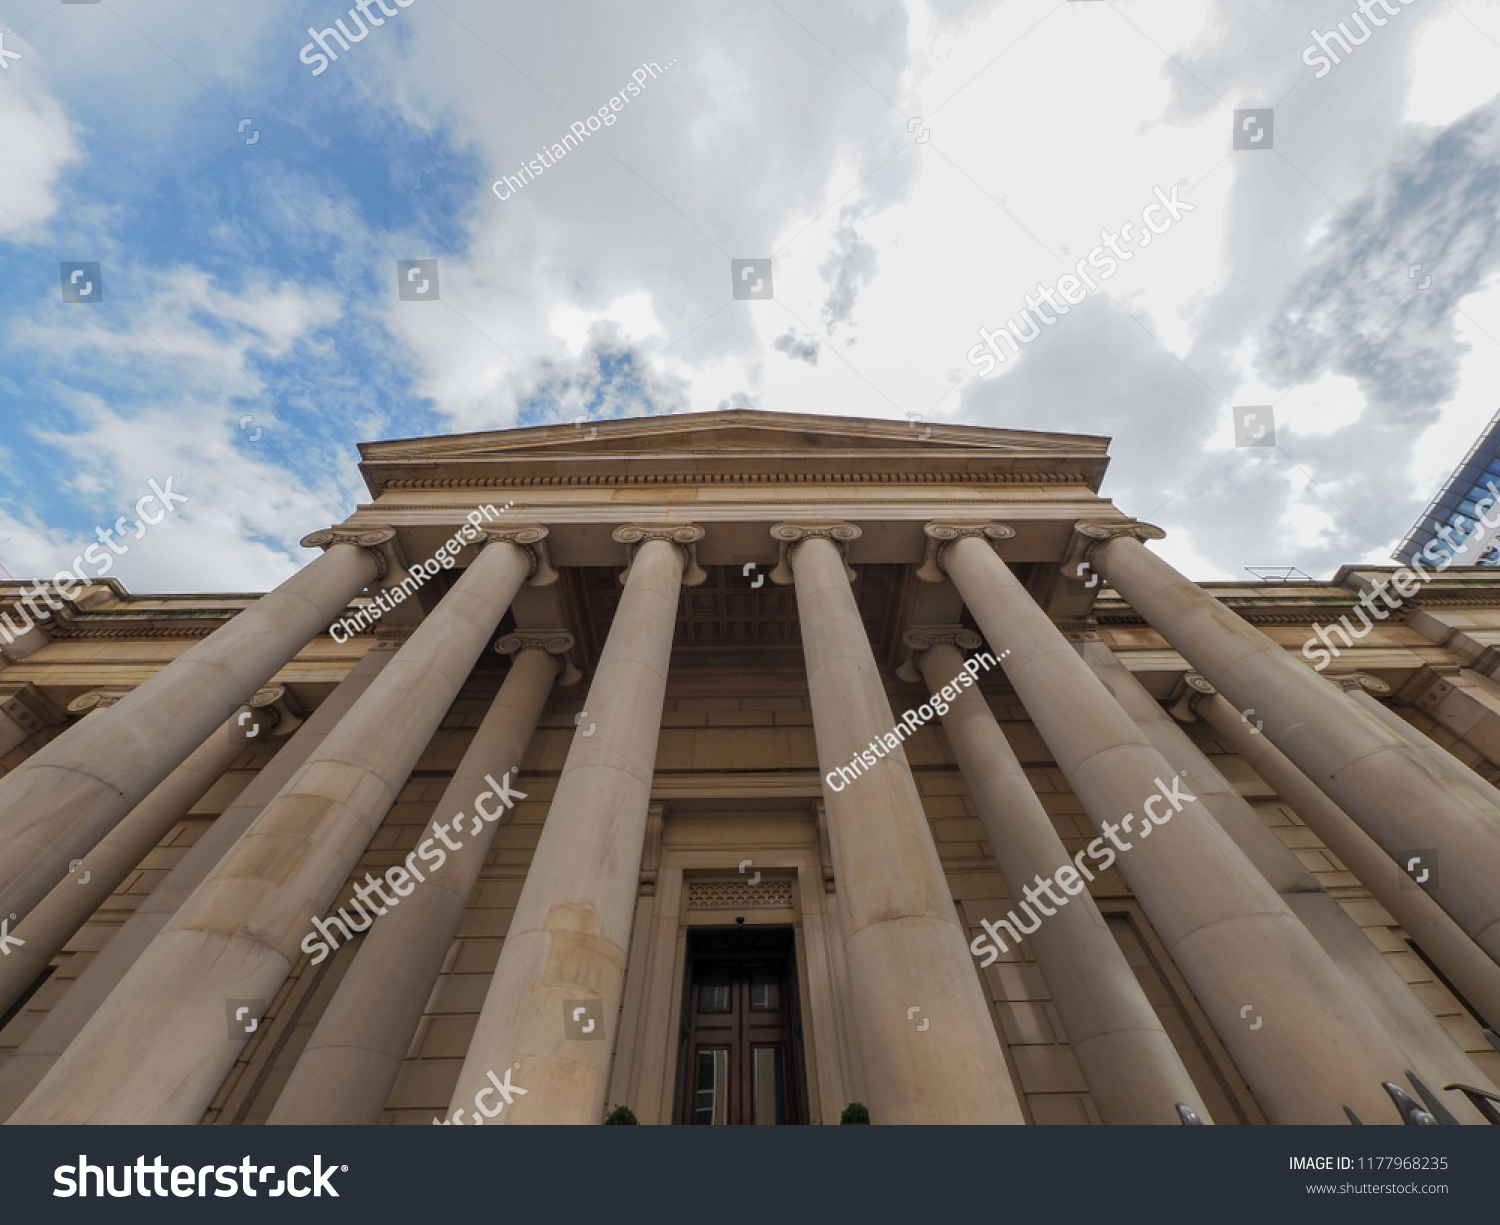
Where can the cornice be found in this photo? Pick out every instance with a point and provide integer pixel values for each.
(1275, 605)
(1246, 611)
(130, 630)
(380, 483)
(1470, 599)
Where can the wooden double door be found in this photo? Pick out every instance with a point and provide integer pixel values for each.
(740, 1028)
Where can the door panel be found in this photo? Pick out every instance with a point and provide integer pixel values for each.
(739, 1028)
(711, 1098)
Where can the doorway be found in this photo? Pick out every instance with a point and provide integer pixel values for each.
(741, 1049)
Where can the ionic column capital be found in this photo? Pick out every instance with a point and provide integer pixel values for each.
(789, 535)
(940, 535)
(277, 701)
(556, 643)
(1091, 537)
(684, 535)
(921, 638)
(95, 699)
(531, 539)
(1193, 691)
(375, 541)
(1351, 682)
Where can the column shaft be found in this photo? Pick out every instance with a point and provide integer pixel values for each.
(568, 938)
(23, 1071)
(351, 1062)
(157, 1049)
(1129, 1064)
(1441, 758)
(905, 946)
(1431, 1051)
(1400, 797)
(1464, 963)
(51, 924)
(1234, 940)
(66, 796)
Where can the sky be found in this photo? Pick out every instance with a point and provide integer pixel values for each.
(912, 171)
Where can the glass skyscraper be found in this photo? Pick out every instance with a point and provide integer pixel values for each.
(1453, 508)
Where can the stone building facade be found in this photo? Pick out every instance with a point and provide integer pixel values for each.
(626, 779)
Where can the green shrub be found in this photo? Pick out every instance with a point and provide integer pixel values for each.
(855, 1112)
(624, 1115)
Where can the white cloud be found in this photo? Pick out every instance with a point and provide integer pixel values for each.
(1455, 63)
(603, 287)
(39, 144)
(633, 313)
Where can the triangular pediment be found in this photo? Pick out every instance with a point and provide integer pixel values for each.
(735, 430)
(718, 443)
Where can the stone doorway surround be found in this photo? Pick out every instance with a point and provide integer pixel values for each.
(690, 877)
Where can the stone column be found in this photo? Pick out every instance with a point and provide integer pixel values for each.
(157, 1049)
(351, 1062)
(23, 1071)
(64, 798)
(1397, 794)
(1431, 1051)
(567, 941)
(905, 946)
(1315, 1047)
(1131, 1068)
(48, 927)
(1364, 690)
(1462, 961)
